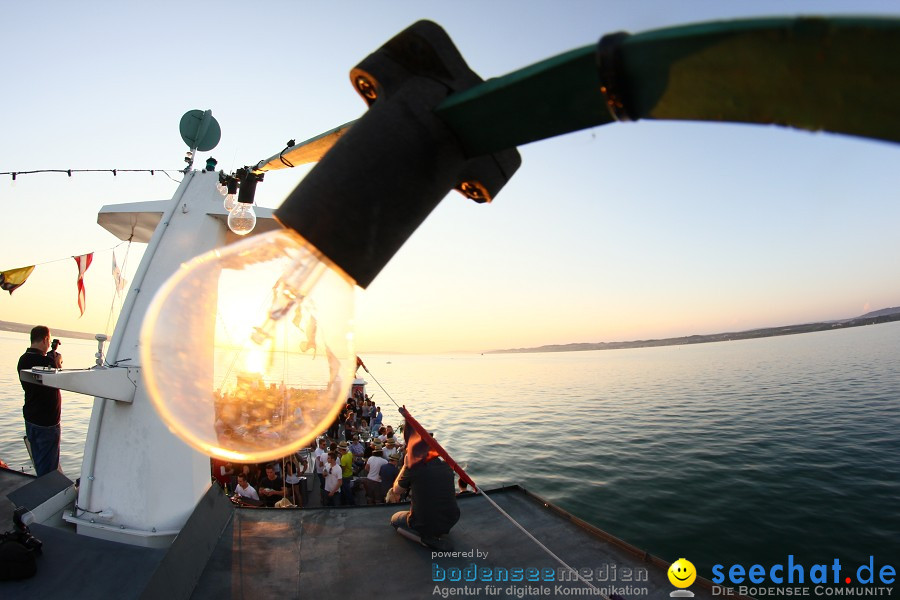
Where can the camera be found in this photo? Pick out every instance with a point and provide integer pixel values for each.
(55, 344)
(21, 534)
(31, 543)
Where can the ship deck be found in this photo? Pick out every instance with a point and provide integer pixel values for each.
(225, 551)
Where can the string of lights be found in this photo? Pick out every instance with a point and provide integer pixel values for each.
(115, 172)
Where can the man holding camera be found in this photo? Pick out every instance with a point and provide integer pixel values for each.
(42, 404)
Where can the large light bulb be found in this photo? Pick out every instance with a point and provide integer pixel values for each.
(247, 352)
(242, 218)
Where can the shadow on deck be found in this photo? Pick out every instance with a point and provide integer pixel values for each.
(229, 552)
(323, 553)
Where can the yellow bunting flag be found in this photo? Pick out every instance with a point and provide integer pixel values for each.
(12, 279)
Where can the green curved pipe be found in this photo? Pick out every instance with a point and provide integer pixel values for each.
(833, 74)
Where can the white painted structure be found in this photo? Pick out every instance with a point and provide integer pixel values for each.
(139, 482)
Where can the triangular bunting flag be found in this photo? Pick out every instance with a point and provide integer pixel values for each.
(83, 262)
(14, 278)
(118, 279)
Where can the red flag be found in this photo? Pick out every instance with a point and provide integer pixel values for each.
(360, 363)
(83, 262)
(422, 447)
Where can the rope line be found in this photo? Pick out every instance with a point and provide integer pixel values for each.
(381, 387)
(594, 589)
(55, 260)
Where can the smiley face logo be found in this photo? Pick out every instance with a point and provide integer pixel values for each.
(682, 573)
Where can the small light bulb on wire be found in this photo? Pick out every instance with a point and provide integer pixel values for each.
(242, 218)
(231, 189)
(230, 202)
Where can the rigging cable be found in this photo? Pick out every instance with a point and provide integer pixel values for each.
(47, 262)
(595, 590)
(381, 387)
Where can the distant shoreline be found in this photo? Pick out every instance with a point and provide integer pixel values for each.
(882, 316)
(886, 315)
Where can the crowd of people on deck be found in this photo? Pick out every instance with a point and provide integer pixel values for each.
(358, 460)
(355, 460)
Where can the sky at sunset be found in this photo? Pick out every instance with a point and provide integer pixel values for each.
(628, 231)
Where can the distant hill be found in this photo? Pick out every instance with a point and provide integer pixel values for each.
(884, 315)
(881, 313)
(23, 328)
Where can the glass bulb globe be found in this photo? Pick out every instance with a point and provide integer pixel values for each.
(247, 350)
(242, 218)
(230, 202)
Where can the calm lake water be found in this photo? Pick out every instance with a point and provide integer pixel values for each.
(734, 452)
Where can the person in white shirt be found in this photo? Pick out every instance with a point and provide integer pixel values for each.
(390, 448)
(244, 489)
(372, 482)
(332, 472)
(320, 456)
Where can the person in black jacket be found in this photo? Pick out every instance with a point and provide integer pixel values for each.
(42, 404)
(433, 510)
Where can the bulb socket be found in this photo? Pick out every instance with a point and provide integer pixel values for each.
(383, 177)
(249, 179)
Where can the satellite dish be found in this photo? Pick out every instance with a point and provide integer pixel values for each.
(200, 130)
